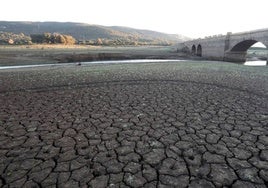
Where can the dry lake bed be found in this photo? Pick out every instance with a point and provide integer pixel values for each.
(161, 124)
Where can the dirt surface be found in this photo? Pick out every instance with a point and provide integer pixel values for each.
(183, 124)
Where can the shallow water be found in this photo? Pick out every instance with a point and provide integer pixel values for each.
(92, 62)
(255, 63)
(27, 66)
(248, 63)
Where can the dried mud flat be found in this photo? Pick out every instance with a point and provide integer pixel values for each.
(183, 124)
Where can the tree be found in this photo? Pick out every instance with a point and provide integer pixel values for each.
(99, 42)
(69, 39)
(47, 38)
(38, 38)
(61, 39)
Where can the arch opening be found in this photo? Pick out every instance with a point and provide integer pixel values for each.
(193, 50)
(242, 52)
(199, 51)
(257, 54)
(243, 46)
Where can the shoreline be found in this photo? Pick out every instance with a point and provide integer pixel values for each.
(50, 54)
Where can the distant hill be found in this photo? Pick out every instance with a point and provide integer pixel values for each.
(86, 32)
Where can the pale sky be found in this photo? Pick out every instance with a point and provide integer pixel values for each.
(193, 18)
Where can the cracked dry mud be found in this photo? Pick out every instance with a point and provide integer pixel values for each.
(134, 134)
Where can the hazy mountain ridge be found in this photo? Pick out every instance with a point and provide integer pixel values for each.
(82, 31)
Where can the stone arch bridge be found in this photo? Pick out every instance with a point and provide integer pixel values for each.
(231, 47)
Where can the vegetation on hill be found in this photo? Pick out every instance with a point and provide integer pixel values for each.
(11, 38)
(54, 38)
(93, 34)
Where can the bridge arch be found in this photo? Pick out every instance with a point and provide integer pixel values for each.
(243, 46)
(193, 49)
(238, 51)
(199, 50)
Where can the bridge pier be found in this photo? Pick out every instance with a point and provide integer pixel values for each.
(266, 53)
(238, 57)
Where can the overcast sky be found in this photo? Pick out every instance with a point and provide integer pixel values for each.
(193, 18)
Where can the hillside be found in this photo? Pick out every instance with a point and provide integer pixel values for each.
(87, 32)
